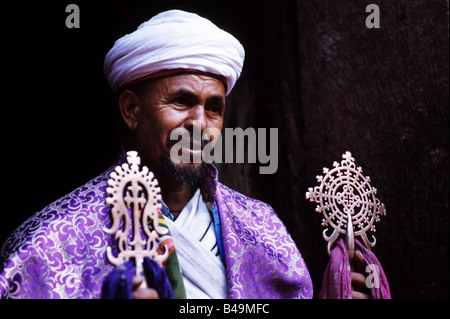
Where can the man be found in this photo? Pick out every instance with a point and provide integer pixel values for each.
(173, 72)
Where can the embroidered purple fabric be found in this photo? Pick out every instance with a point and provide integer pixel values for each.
(60, 252)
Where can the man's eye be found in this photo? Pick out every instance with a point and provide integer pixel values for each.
(215, 109)
(181, 101)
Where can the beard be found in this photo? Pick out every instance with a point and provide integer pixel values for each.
(187, 174)
(184, 174)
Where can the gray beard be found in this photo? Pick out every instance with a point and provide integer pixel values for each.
(187, 176)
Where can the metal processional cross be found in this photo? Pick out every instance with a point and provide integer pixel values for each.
(134, 194)
(348, 203)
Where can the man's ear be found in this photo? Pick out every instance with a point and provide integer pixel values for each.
(129, 104)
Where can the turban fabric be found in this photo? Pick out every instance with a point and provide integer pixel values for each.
(174, 40)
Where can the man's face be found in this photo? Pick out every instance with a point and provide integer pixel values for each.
(188, 101)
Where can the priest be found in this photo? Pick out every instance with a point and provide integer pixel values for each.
(173, 72)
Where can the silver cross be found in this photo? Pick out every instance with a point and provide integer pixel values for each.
(348, 203)
(134, 191)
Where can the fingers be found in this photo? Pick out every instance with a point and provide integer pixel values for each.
(358, 262)
(359, 295)
(359, 287)
(140, 292)
(145, 293)
(137, 281)
(358, 281)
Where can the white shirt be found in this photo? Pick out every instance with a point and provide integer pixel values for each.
(198, 254)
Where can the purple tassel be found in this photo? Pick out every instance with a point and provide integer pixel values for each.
(117, 285)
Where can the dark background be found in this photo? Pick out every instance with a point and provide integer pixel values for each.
(312, 69)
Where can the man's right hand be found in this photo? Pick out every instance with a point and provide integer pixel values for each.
(141, 292)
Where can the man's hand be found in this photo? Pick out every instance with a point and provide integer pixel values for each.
(140, 292)
(359, 288)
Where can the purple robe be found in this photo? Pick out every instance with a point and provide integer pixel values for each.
(60, 252)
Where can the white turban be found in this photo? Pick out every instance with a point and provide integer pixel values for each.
(174, 40)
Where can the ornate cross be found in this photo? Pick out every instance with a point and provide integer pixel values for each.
(134, 192)
(348, 203)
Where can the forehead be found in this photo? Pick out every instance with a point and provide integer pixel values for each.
(198, 84)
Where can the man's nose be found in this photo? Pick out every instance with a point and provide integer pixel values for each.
(197, 118)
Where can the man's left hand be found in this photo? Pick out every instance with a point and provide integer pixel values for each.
(359, 288)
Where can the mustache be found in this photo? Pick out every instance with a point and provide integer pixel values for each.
(190, 136)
